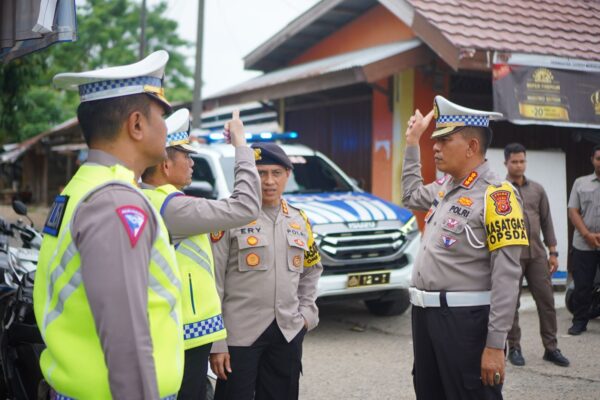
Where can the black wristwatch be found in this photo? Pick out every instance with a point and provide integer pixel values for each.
(554, 253)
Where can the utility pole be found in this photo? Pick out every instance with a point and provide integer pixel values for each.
(197, 104)
(143, 30)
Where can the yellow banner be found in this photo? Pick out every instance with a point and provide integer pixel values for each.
(536, 111)
(504, 223)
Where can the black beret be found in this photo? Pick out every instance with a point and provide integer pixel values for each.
(270, 153)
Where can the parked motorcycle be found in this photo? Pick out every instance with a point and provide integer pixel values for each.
(21, 343)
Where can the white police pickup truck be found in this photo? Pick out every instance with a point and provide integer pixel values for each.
(367, 245)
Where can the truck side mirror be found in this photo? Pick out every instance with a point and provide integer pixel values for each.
(357, 182)
(201, 189)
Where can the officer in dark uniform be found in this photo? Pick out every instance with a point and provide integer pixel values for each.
(466, 276)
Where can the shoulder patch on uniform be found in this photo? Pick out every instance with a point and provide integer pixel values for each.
(134, 220)
(56, 214)
(311, 256)
(504, 222)
(304, 217)
(501, 199)
(216, 236)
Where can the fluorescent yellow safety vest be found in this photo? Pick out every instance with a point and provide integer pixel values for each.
(73, 362)
(202, 319)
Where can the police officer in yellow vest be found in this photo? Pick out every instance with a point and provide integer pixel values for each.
(188, 220)
(107, 289)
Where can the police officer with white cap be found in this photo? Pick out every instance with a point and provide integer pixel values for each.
(107, 288)
(466, 276)
(189, 220)
(267, 273)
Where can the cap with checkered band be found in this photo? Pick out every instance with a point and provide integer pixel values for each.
(178, 131)
(145, 76)
(450, 117)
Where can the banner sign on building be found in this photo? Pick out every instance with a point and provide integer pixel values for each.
(539, 94)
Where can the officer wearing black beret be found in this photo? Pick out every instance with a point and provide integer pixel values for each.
(266, 274)
(271, 153)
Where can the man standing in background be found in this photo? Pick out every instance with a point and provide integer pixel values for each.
(537, 267)
(584, 213)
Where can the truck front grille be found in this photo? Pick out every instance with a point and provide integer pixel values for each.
(362, 245)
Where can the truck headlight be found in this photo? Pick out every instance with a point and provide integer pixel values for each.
(411, 227)
(317, 236)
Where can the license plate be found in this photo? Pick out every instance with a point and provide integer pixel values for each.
(368, 279)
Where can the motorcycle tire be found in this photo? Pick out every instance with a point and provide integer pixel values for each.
(594, 311)
(569, 297)
(595, 307)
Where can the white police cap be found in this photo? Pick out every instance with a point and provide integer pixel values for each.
(178, 131)
(450, 117)
(145, 76)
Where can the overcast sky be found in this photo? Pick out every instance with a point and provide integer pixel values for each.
(232, 29)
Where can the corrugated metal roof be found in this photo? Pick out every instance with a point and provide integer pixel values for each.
(15, 150)
(564, 28)
(330, 65)
(561, 28)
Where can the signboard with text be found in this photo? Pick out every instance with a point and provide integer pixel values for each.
(542, 95)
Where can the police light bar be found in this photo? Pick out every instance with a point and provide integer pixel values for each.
(216, 137)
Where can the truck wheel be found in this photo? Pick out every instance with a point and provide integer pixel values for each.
(395, 306)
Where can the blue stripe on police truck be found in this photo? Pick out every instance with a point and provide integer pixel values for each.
(363, 212)
(336, 209)
(317, 216)
(325, 208)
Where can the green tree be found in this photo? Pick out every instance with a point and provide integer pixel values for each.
(108, 34)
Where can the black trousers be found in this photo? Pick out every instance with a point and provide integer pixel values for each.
(269, 369)
(448, 343)
(193, 386)
(585, 264)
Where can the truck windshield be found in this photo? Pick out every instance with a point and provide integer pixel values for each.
(311, 174)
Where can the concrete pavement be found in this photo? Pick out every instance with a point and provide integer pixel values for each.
(354, 355)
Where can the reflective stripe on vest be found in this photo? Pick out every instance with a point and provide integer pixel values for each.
(197, 255)
(75, 281)
(159, 288)
(67, 290)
